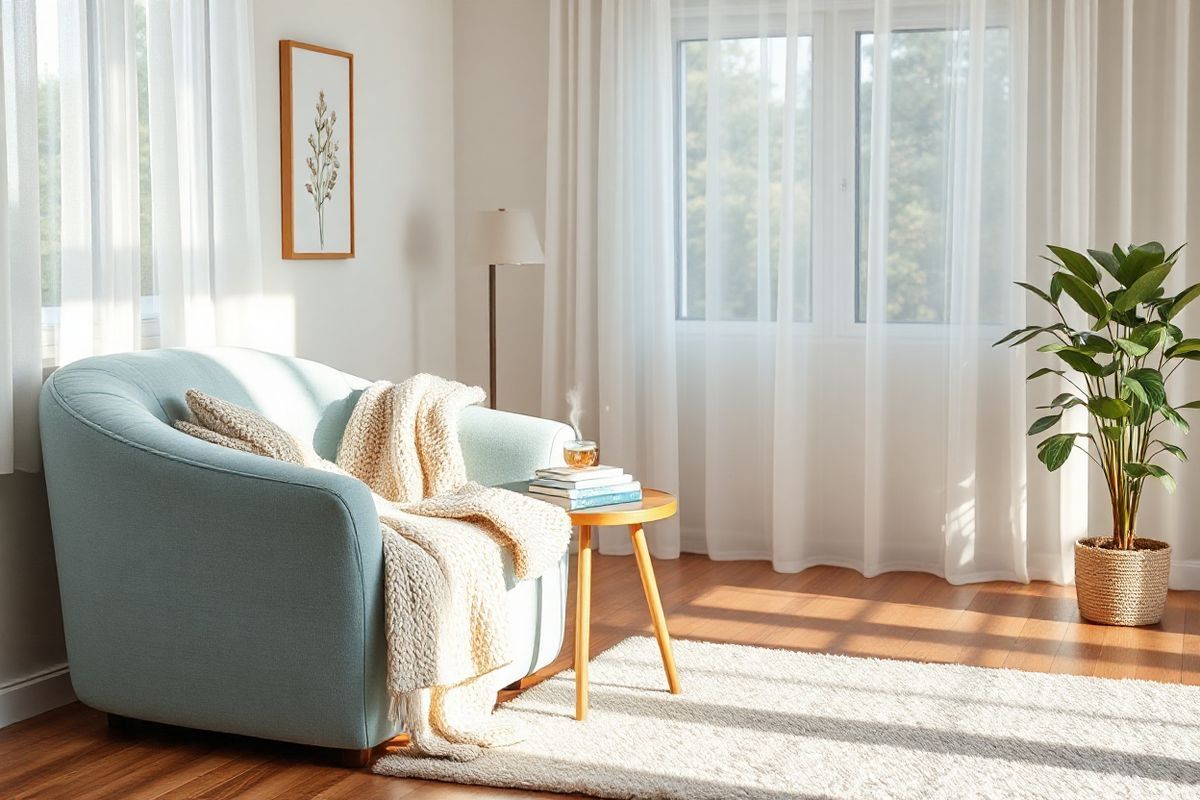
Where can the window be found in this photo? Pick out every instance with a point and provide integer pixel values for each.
(917, 285)
(738, 263)
(750, 152)
(50, 23)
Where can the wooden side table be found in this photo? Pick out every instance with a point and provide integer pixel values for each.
(654, 505)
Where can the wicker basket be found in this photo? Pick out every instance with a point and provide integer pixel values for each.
(1122, 587)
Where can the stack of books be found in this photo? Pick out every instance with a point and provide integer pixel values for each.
(576, 488)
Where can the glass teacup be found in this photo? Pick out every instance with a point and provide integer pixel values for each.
(580, 453)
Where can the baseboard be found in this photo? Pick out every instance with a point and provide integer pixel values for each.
(31, 696)
(1185, 575)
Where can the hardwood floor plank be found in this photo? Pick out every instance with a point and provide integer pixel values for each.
(71, 753)
(1190, 666)
(1080, 649)
(1043, 632)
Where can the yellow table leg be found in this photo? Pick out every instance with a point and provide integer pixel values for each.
(583, 621)
(650, 587)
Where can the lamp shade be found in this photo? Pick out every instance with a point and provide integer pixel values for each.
(505, 237)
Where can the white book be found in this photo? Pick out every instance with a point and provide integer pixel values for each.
(550, 483)
(576, 474)
(573, 494)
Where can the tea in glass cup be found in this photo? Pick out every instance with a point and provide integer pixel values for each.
(581, 453)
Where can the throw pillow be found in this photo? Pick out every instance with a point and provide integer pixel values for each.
(257, 432)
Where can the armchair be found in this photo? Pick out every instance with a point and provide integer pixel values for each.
(214, 589)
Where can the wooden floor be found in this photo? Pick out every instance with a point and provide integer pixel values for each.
(71, 753)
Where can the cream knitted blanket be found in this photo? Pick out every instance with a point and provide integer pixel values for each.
(443, 575)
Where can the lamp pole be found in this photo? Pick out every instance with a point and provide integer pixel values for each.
(492, 335)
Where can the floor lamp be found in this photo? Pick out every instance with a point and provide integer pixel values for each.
(502, 237)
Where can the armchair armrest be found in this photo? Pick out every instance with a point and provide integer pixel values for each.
(502, 447)
(207, 587)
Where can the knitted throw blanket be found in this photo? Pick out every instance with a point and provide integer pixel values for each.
(443, 575)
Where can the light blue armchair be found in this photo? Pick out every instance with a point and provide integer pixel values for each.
(215, 589)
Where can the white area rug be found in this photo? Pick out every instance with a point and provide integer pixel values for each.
(758, 723)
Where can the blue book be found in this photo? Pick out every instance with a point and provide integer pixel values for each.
(577, 494)
(577, 503)
(580, 503)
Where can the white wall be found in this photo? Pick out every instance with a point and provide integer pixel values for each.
(32, 653)
(501, 57)
(388, 312)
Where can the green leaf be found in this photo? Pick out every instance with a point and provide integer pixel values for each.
(1149, 335)
(1175, 252)
(1118, 254)
(1055, 288)
(1143, 288)
(1081, 362)
(1109, 407)
(1140, 259)
(1173, 416)
(1112, 432)
(1077, 263)
(1044, 423)
(1193, 404)
(1173, 449)
(1182, 299)
(1014, 334)
(1135, 389)
(1107, 260)
(1084, 295)
(1064, 400)
(1135, 469)
(1140, 414)
(1184, 348)
(1029, 332)
(1148, 385)
(1055, 451)
(1092, 343)
(1035, 290)
(1131, 348)
(1037, 373)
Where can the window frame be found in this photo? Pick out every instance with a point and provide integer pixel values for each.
(835, 264)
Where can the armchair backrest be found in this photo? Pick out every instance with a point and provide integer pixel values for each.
(310, 400)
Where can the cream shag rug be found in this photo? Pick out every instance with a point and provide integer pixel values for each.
(759, 723)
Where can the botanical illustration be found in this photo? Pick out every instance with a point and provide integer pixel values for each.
(323, 164)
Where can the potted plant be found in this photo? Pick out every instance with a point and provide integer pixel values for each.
(1117, 368)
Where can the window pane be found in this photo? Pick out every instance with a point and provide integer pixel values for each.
(50, 150)
(749, 184)
(917, 284)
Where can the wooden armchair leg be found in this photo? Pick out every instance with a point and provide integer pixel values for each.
(356, 759)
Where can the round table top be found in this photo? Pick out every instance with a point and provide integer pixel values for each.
(654, 505)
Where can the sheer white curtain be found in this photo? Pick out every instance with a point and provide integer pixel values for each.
(610, 197)
(130, 160)
(20, 293)
(849, 234)
(1114, 156)
(856, 188)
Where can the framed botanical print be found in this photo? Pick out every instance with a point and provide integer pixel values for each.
(316, 124)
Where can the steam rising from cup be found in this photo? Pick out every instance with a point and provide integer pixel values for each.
(576, 406)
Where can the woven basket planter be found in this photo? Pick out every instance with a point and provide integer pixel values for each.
(1122, 587)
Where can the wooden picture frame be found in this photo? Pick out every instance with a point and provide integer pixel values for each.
(316, 92)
